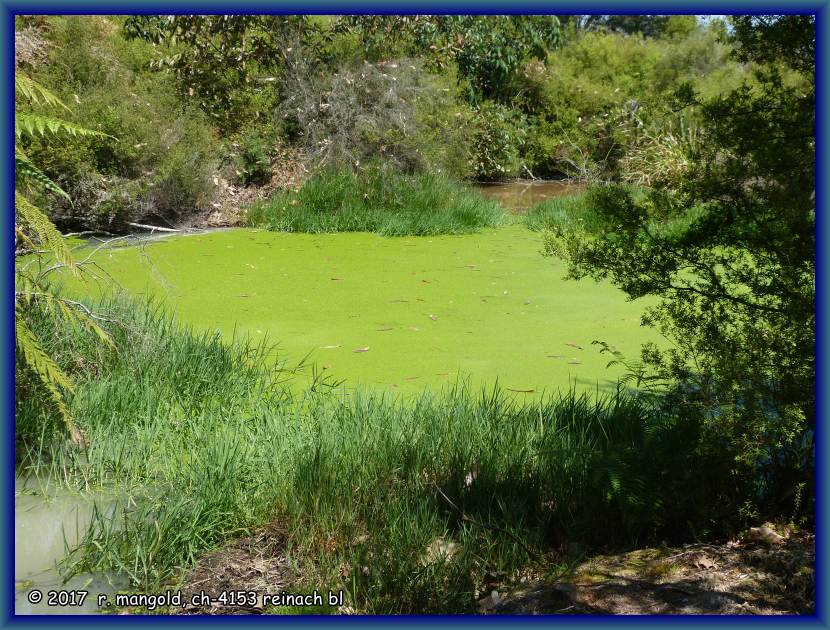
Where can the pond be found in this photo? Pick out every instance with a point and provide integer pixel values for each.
(47, 521)
(398, 314)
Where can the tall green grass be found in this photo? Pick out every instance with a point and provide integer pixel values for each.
(201, 443)
(377, 199)
(578, 213)
(563, 213)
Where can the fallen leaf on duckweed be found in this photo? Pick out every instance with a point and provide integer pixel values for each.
(574, 362)
(555, 356)
(337, 278)
(433, 317)
(384, 329)
(331, 347)
(326, 366)
(521, 391)
(410, 378)
(573, 345)
(363, 349)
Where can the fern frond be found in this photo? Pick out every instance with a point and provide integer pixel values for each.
(28, 124)
(34, 92)
(24, 287)
(99, 332)
(30, 216)
(25, 169)
(28, 290)
(47, 371)
(35, 357)
(72, 312)
(23, 237)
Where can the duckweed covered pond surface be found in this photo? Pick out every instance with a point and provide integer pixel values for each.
(397, 313)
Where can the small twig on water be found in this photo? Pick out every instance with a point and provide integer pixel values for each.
(152, 228)
(88, 233)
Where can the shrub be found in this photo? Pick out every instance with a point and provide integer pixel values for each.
(390, 110)
(445, 126)
(251, 162)
(160, 160)
(498, 137)
(660, 158)
(596, 96)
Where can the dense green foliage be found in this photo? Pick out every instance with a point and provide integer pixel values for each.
(377, 199)
(43, 250)
(200, 102)
(729, 246)
(489, 51)
(160, 154)
(223, 61)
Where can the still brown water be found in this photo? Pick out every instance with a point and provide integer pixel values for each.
(518, 196)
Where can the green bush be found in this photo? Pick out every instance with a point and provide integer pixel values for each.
(254, 157)
(377, 199)
(444, 127)
(498, 137)
(599, 94)
(161, 158)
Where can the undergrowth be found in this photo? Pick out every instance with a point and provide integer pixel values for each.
(405, 504)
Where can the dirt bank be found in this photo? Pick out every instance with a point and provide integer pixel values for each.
(735, 578)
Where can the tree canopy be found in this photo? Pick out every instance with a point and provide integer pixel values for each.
(729, 248)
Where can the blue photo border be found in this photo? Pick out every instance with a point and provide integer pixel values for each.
(8, 9)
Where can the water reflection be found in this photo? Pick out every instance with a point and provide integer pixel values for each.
(518, 196)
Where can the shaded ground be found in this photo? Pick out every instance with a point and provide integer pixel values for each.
(731, 579)
(288, 171)
(254, 563)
